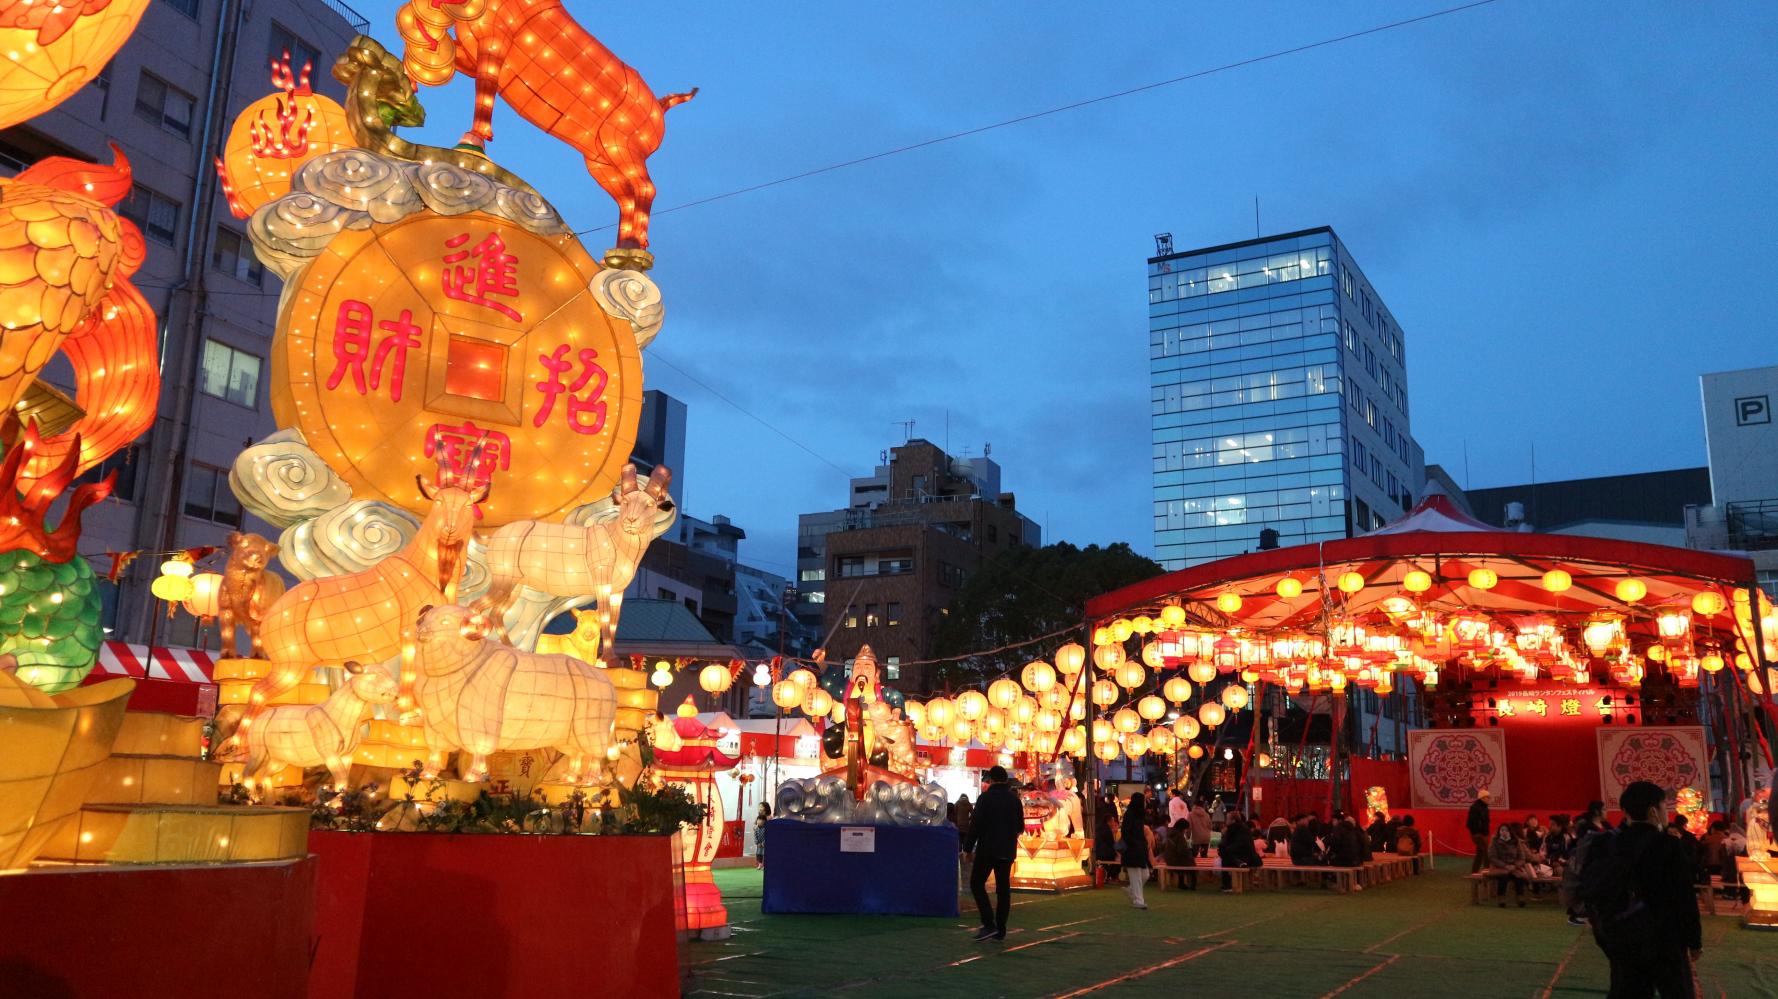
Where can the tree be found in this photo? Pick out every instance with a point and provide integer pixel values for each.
(1026, 592)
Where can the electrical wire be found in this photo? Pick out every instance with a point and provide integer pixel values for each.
(1076, 105)
(656, 354)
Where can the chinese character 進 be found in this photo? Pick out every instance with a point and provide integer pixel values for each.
(1539, 707)
(1571, 706)
(454, 447)
(1506, 708)
(586, 413)
(351, 347)
(495, 272)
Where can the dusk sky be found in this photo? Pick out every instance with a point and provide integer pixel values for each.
(1568, 208)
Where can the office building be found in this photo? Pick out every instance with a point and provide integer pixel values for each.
(884, 570)
(1280, 398)
(1640, 506)
(1741, 436)
(168, 99)
(660, 440)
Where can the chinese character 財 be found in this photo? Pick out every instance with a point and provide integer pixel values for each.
(351, 348)
(495, 272)
(586, 413)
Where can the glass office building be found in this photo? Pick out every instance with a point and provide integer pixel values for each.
(1280, 400)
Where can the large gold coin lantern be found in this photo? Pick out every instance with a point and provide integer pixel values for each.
(405, 343)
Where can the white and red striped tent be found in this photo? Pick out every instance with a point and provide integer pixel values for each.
(179, 681)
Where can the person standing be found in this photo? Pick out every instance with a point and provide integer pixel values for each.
(1200, 820)
(1177, 808)
(1478, 826)
(759, 835)
(991, 845)
(1138, 848)
(1638, 895)
(1219, 814)
(962, 811)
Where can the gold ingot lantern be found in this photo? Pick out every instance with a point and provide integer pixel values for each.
(52, 750)
(55, 48)
(404, 344)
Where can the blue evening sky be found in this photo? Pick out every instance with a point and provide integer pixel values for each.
(1568, 207)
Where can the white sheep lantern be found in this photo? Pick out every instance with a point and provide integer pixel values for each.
(318, 735)
(478, 697)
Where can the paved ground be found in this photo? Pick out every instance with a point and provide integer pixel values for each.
(1416, 937)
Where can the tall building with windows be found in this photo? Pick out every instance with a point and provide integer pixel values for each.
(883, 571)
(167, 99)
(1280, 398)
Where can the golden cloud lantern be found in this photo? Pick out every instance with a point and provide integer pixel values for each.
(1630, 590)
(1131, 674)
(1186, 728)
(1228, 601)
(1070, 658)
(1211, 714)
(1291, 587)
(1126, 721)
(940, 712)
(1151, 708)
(1108, 657)
(1234, 697)
(715, 678)
(1038, 676)
(1557, 581)
(55, 48)
(274, 136)
(1416, 581)
(1177, 689)
(971, 705)
(1104, 693)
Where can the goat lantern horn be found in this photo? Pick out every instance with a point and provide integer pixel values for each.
(354, 667)
(425, 490)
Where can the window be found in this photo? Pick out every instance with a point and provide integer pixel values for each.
(993, 534)
(813, 575)
(286, 41)
(873, 617)
(1346, 281)
(1365, 306)
(851, 565)
(894, 668)
(187, 7)
(1370, 361)
(164, 104)
(851, 619)
(1351, 337)
(816, 596)
(949, 575)
(893, 613)
(207, 496)
(155, 214)
(124, 464)
(229, 374)
(233, 256)
(894, 566)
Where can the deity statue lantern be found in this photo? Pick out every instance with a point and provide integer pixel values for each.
(693, 764)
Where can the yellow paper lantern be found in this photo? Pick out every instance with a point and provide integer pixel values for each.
(804, 679)
(1070, 658)
(1038, 676)
(1152, 656)
(1708, 603)
(818, 703)
(54, 49)
(1172, 615)
(1211, 714)
(838, 714)
(1122, 629)
(1074, 741)
(1234, 697)
(1290, 587)
(1126, 721)
(1151, 708)
(993, 721)
(172, 589)
(1416, 581)
(1228, 601)
(178, 566)
(1351, 582)
(206, 587)
(961, 731)
(1108, 657)
(971, 705)
(274, 136)
(1160, 740)
(786, 694)
(1201, 671)
(1557, 581)
(1186, 728)
(1177, 689)
(1131, 675)
(1711, 663)
(661, 677)
(1483, 579)
(714, 678)
(1196, 752)
(1142, 624)
(1047, 720)
(1102, 730)
(1135, 746)
(1106, 751)
(915, 712)
(1023, 711)
(1104, 693)
(1003, 693)
(940, 712)
(1101, 636)
(1631, 590)
(1056, 697)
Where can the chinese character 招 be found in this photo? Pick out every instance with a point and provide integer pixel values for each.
(586, 413)
(495, 272)
(352, 347)
(1571, 706)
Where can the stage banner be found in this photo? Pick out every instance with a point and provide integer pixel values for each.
(1672, 757)
(1447, 767)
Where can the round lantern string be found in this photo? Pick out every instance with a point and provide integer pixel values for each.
(1074, 106)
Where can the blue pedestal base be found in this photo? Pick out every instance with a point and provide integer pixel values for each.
(911, 872)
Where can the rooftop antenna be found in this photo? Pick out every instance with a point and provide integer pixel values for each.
(1256, 216)
(907, 429)
(987, 448)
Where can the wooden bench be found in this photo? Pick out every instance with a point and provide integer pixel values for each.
(1277, 873)
(1240, 878)
(1481, 881)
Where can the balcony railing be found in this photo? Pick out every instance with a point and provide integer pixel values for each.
(358, 21)
(1753, 525)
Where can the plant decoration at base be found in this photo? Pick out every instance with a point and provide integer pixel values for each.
(654, 808)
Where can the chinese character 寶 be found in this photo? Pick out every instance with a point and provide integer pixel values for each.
(586, 413)
(351, 348)
(495, 272)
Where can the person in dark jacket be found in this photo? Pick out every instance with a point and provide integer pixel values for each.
(1345, 843)
(1105, 840)
(1137, 840)
(1378, 833)
(1177, 851)
(1304, 851)
(993, 840)
(1654, 948)
(1236, 849)
(1478, 826)
(963, 809)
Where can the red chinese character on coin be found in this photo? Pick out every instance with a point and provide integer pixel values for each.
(495, 272)
(586, 413)
(351, 348)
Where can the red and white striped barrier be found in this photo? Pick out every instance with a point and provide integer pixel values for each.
(155, 662)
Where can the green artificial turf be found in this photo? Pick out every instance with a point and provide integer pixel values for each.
(1414, 937)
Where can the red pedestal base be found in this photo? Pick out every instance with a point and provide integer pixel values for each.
(224, 930)
(522, 916)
